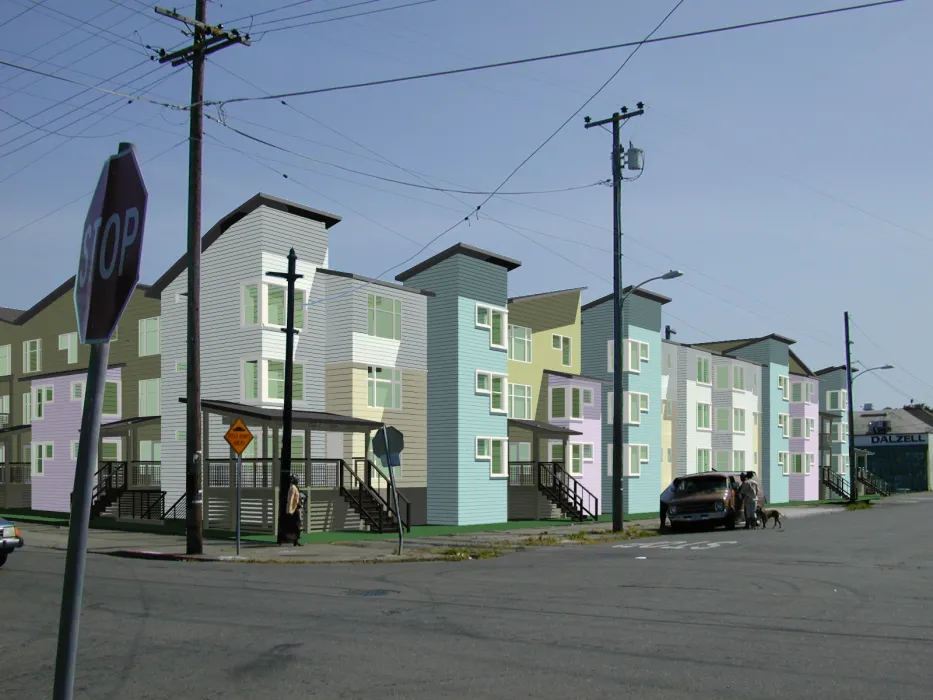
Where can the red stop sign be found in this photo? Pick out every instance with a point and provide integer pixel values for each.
(111, 247)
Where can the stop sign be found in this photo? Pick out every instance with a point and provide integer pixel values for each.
(111, 247)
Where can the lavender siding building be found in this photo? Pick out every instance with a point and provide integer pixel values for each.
(802, 465)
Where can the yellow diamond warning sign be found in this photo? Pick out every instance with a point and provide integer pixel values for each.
(238, 437)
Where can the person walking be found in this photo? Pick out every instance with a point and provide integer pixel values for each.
(292, 529)
(748, 492)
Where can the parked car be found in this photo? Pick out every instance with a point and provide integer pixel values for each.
(10, 539)
(710, 497)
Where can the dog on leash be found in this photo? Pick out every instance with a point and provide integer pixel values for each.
(766, 514)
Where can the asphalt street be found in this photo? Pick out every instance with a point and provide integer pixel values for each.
(835, 606)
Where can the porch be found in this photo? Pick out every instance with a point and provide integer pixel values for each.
(15, 467)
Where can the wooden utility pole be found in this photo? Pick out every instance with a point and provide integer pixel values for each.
(617, 355)
(850, 419)
(206, 39)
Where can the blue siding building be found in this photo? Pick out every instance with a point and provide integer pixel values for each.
(467, 384)
(642, 400)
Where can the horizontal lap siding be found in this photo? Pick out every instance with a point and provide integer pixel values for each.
(591, 428)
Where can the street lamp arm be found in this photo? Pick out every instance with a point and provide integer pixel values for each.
(673, 274)
(863, 372)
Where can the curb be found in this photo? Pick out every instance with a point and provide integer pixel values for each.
(233, 559)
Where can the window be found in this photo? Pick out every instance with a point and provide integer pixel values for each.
(150, 451)
(587, 451)
(181, 435)
(811, 458)
(576, 403)
(811, 426)
(637, 455)
(610, 356)
(558, 402)
(110, 449)
(301, 310)
(69, 343)
(637, 352)
(251, 380)
(32, 355)
(609, 459)
(384, 386)
(738, 420)
(722, 460)
(722, 420)
(181, 366)
(722, 377)
(495, 386)
(784, 424)
(149, 397)
(519, 343)
(796, 427)
(635, 405)
(703, 416)
(74, 450)
(703, 370)
(149, 336)
(826, 458)
(4, 413)
(783, 462)
(836, 400)
(667, 408)
(610, 406)
(587, 397)
(556, 452)
(42, 452)
(77, 391)
(111, 403)
(519, 452)
(44, 395)
(495, 320)
(563, 343)
(796, 392)
(251, 304)
(703, 460)
(809, 393)
(494, 451)
(796, 463)
(520, 401)
(275, 381)
(384, 317)
(576, 459)
(783, 386)
(738, 460)
(27, 408)
(275, 305)
(738, 378)
(6, 353)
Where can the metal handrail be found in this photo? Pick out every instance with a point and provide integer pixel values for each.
(569, 488)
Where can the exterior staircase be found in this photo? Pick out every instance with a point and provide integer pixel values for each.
(572, 498)
(366, 490)
(872, 482)
(836, 483)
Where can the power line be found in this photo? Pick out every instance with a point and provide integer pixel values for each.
(565, 54)
(311, 14)
(888, 355)
(20, 14)
(356, 14)
(266, 12)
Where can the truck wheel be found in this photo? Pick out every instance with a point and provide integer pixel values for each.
(3, 556)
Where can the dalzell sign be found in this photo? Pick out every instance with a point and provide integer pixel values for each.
(880, 440)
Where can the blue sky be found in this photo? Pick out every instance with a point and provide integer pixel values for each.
(787, 167)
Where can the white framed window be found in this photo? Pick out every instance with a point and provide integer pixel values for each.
(181, 435)
(520, 343)
(42, 452)
(149, 336)
(493, 450)
(6, 360)
(150, 398)
(576, 403)
(667, 408)
(587, 451)
(635, 404)
(32, 356)
(275, 381)
(722, 420)
(384, 387)
(796, 463)
(520, 401)
(738, 378)
(251, 305)
(810, 460)
(783, 385)
(251, 380)
(722, 460)
(637, 455)
(493, 385)
(576, 459)
(111, 449)
(704, 460)
(74, 450)
(42, 397)
(151, 450)
(703, 370)
(519, 451)
(27, 408)
(181, 366)
(610, 406)
(783, 420)
(797, 392)
(77, 391)
(588, 397)
(811, 390)
(384, 317)
(69, 343)
(784, 462)
(796, 427)
(555, 451)
(722, 377)
(738, 420)
(738, 460)
(113, 401)
(558, 402)
(837, 400)
(565, 345)
(704, 411)
(496, 322)
(811, 426)
(636, 352)
(836, 432)
(275, 305)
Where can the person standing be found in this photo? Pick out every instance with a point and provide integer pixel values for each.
(292, 529)
(748, 492)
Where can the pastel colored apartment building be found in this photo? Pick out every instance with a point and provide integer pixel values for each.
(555, 413)
(43, 372)
(643, 456)
(803, 465)
(359, 360)
(468, 376)
(833, 405)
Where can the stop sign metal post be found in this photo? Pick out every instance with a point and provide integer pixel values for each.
(108, 271)
(388, 444)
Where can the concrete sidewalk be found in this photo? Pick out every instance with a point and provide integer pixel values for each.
(455, 547)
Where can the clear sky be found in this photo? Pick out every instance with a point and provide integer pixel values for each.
(787, 167)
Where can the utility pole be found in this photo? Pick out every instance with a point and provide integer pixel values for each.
(206, 39)
(290, 333)
(617, 412)
(853, 481)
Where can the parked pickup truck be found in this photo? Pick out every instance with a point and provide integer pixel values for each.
(710, 497)
(10, 539)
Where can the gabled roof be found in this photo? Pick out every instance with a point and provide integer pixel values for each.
(218, 229)
(731, 345)
(459, 249)
(646, 293)
(8, 315)
(372, 280)
(545, 295)
(65, 287)
(827, 370)
(797, 365)
(569, 375)
(65, 373)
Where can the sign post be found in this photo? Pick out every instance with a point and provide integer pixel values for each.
(388, 445)
(108, 271)
(238, 437)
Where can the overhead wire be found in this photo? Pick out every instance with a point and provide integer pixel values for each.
(560, 55)
(892, 359)
(414, 3)
(37, 3)
(327, 10)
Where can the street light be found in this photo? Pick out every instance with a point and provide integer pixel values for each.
(853, 467)
(866, 371)
(617, 410)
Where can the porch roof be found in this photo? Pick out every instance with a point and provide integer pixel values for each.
(127, 422)
(541, 427)
(313, 420)
(14, 429)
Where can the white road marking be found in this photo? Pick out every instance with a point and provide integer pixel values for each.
(675, 544)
